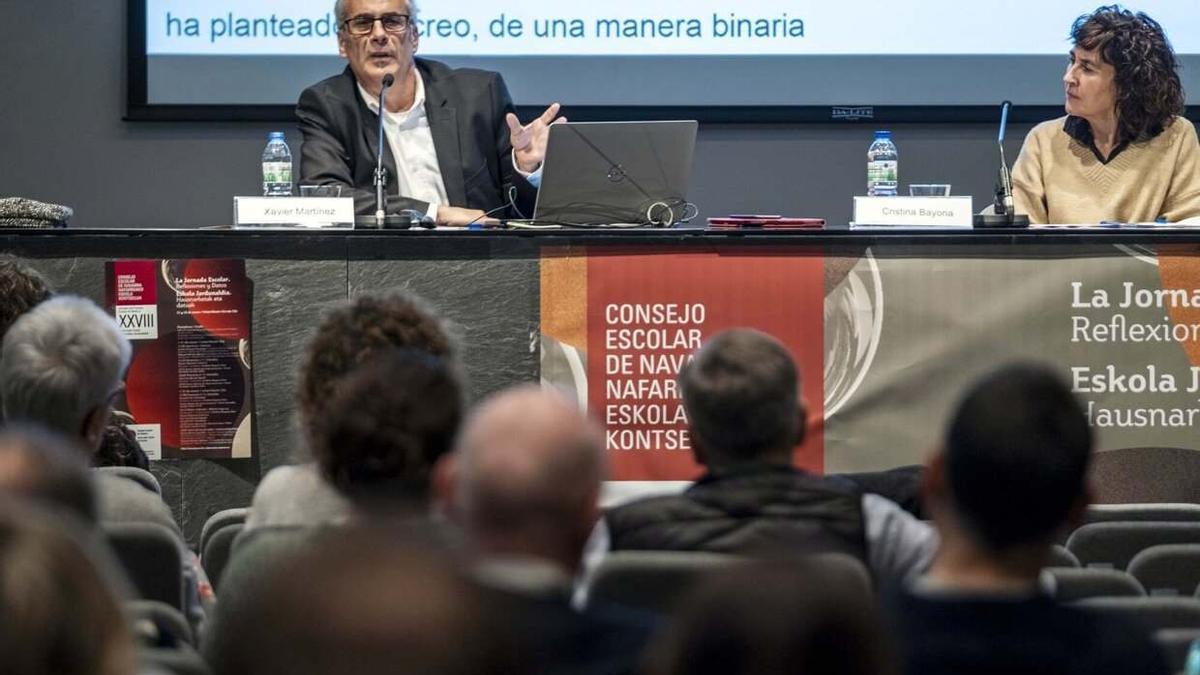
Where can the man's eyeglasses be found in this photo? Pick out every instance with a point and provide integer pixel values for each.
(365, 23)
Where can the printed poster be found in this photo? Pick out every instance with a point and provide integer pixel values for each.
(189, 388)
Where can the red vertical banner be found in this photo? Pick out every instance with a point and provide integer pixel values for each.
(646, 314)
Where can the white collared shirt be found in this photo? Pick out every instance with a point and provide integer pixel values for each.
(411, 140)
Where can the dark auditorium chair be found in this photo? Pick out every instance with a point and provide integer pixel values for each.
(1175, 643)
(217, 550)
(1067, 584)
(140, 476)
(181, 661)
(652, 580)
(1169, 569)
(850, 566)
(158, 624)
(256, 555)
(152, 558)
(1141, 512)
(1061, 557)
(1160, 513)
(221, 519)
(1154, 613)
(1115, 544)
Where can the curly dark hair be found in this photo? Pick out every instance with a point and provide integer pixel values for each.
(352, 334)
(21, 289)
(386, 427)
(1149, 93)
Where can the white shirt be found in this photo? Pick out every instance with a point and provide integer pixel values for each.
(411, 140)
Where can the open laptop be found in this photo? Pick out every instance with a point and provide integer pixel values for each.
(604, 173)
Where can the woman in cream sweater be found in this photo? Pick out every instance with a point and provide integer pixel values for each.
(1123, 152)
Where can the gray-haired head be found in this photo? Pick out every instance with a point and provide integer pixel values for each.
(61, 361)
(339, 13)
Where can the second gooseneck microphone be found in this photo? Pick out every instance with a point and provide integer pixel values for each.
(380, 172)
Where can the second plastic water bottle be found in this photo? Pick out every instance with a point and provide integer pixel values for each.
(883, 166)
(277, 166)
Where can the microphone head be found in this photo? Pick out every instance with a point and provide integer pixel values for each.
(1003, 123)
(388, 80)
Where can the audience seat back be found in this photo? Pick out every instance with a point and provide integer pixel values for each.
(1154, 613)
(652, 580)
(1114, 544)
(1067, 584)
(181, 661)
(139, 476)
(1168, 569)
(220, 519)
(159, 623)
(1061, 557)
(217, 551)
(152, 557)
(255, 556)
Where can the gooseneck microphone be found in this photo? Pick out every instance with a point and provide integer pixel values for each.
(1004, 196)
(380, 172)
(1004, 212)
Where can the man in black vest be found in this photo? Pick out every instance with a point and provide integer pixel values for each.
(741, 393)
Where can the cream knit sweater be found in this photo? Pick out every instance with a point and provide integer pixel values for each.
(1057, 179)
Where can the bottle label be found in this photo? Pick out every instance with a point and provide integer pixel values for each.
(882, 177)
(277, 172)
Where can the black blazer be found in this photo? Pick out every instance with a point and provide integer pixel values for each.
(466, 109)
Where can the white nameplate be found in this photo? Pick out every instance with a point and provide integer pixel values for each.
(912, 212)
(319, 212)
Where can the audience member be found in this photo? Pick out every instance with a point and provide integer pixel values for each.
(62, 363)
(348, 337)
(361, 602)
(767, 618)
(45, 469)
(385, 429)
(741, 393)
(1011, 473)
(524, 483)
(58, 612)
(21, 288)
(120, 446)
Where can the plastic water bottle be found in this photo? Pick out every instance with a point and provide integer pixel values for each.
(883, 166)
(277, 166)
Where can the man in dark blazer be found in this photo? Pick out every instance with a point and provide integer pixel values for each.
(464, 152)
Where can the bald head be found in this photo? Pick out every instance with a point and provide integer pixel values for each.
(528, 469)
